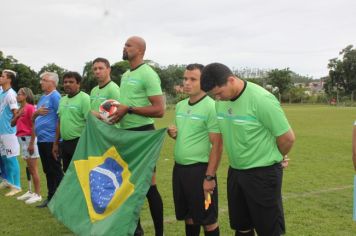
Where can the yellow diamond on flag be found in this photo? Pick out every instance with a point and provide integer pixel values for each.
(105, 181)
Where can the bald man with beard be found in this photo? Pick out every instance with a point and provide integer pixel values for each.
(141, 100)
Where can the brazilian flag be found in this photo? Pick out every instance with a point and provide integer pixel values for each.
(106, 183)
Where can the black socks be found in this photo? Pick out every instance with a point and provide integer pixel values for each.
(156, 207)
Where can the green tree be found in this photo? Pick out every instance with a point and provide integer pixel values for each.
(26, 77)
(89, 80)
(170, 76)
(296, 94)
(281, 79)
(342, 73)
(118, 69)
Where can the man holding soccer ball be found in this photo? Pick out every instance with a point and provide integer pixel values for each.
(141, 100)
(106, 88)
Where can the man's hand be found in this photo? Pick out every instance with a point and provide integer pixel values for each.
(285, 162)
(209, 186)
(55, 151)
(120, 112)
(172, 131)
(96, 114)
(42, 111)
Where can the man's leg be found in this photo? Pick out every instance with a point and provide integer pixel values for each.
(212, 230)
(13, 169)
(191, 229)
(2, 168)
(156, 206)
(45, 156)
(239, 215)
(262, 187)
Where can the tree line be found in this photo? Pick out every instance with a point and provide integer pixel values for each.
(341, 78)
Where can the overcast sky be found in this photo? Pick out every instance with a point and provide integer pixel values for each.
(300, 34)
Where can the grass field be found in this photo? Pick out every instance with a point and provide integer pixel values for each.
(317, 187)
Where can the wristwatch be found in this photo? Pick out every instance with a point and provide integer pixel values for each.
(209, 177)
(130, 110)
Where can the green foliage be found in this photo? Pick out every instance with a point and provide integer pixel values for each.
(118, 69)
(170, 76)
(89, 80)
(295, 95)
(26, 77)
(281, 79)
(342, 73)
(296, 78)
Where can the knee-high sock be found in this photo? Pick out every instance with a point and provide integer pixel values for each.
(139, 230)
(192, 230)
(156, 207)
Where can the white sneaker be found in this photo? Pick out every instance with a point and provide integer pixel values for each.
(13, 191)
(25, 196)
(33, 199)
(4, 185)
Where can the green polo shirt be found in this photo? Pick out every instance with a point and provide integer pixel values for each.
(72, 112)
(194, 123)
(136, 86)
(250, 125)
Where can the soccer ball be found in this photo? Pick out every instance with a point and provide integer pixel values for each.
(107, 108)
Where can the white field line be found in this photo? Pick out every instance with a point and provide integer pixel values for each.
(171, 219)
(308, 194)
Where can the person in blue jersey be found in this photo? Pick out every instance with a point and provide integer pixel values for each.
(9, 145)
(45, 120)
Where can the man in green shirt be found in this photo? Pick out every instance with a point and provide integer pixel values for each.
(141, 100)
(106, 88)
(197, 153)
(257, 138)
(72, 111)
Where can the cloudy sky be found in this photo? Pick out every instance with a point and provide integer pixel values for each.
(300, 34)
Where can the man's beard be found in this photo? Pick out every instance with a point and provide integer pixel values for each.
(125, 56)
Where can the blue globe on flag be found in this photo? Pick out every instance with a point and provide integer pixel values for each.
(104, 180)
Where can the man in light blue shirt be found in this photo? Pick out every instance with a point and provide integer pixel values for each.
(46, 119)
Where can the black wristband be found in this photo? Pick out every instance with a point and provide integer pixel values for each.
(130, 110)
(209, 177)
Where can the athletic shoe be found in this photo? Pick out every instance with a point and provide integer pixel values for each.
(33, 199)
(4, 185)
(25, 196)
(12, 192)
(43, 204)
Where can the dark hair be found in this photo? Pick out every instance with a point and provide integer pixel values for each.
(214, 74)
(103, 60)
(29, 95)
(195, 66)
(73, 74)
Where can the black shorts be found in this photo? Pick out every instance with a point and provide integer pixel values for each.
(255, 200)
(188, 194)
